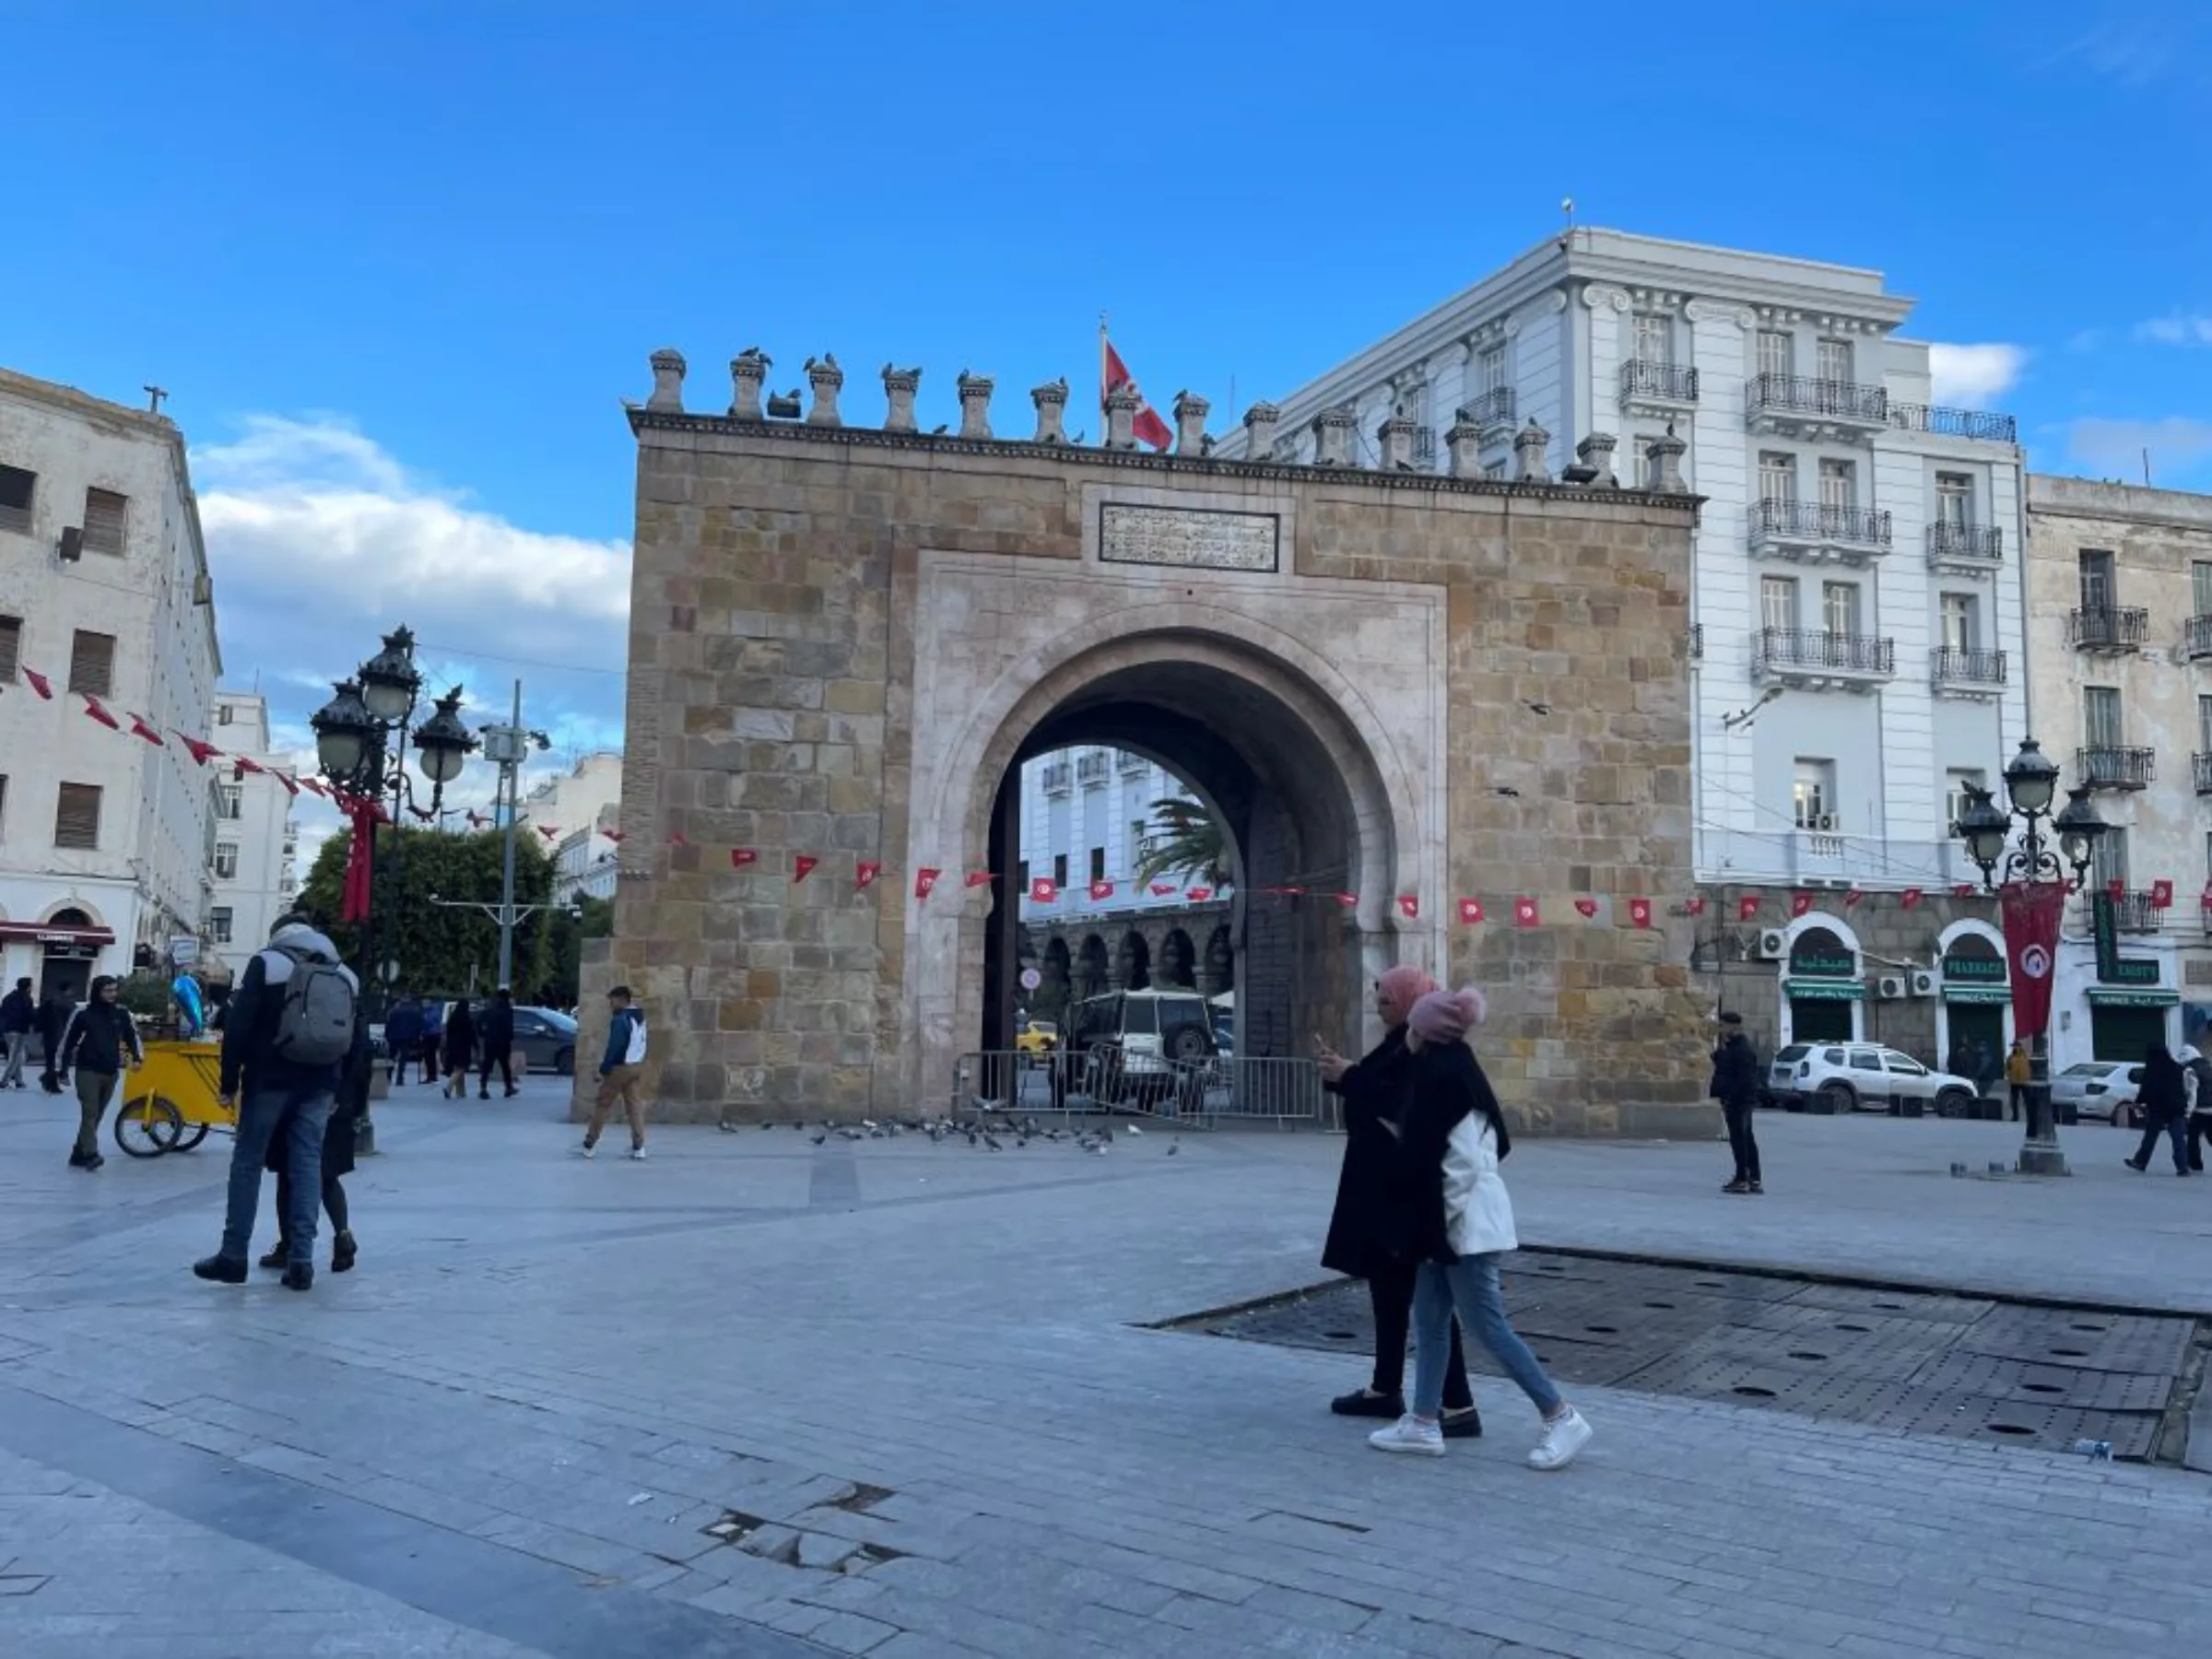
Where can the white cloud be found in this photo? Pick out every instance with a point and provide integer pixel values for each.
(2114, 449)
(1968, 376)
(2176, 330)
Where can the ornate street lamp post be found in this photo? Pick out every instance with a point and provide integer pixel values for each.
(2032, 879)
(361, 743)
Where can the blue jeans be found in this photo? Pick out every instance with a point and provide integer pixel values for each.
(303, 1114)
(1471, 1285)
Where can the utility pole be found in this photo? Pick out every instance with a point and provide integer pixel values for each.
(506, 745)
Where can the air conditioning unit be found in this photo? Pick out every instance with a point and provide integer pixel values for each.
(1826, 822)
(1773, 944)
(1922, 982)
(1889, 987)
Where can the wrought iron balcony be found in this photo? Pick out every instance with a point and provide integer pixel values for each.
(2106, 628)
(1649, 385)
(2132, 913)
(1801, 657)
(2200, 765)
(2197, 638)
(1817, 533)
(2114, 766)
(1496, 408)
(1091, 767)
(1697, 642)
(1969, 672)
(1059, 777)
(1133, 762)
(1798, 403)
(1982, 425)
(1978, 549)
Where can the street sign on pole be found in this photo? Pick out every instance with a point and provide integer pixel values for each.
(1031, 978)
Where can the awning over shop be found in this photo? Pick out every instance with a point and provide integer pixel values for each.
(2108, 996)
(38, 932)
(1823, 990)
(1977, 994)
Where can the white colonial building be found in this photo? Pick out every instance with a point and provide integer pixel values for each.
(1856, 642)
(580, 806)
(105, 836)
(254, 858)
(1086, 824)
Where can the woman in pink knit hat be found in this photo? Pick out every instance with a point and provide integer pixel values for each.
(1458, 1222)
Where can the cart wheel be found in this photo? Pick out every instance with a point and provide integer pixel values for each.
(194, 1135)
(148, 1126)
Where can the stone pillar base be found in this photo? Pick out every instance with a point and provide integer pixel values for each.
(2041, 1158)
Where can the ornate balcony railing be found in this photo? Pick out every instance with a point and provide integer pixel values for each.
(1091, 767)
(1495, 408)
(2200, 765)
(1058, 778)
(1657, 383)
(1800, 396)
(1818, 521)
(1980, 424)
(1967, 544)
(2114, 766)
(2197, 638)
(2108, 628)
(1804, 649)
(1133, 762)
(1954, 666)
(2132, 913)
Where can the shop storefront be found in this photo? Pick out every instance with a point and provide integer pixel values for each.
(1823, 995)
(1974, 992)
(2125, 1020)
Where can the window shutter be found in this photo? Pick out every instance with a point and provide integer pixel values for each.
(92, 663)
(104, 514)
(77, 817)
(11, 643)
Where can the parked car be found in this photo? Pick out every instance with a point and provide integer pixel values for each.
(2101, 1089)
(1038, 1037)
(546, 1037)
(1140, 1047)
(1861, 1077)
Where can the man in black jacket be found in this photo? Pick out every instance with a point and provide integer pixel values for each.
(18, 1013)
(496, 1031)
(100, 1043)
(1736, 1086)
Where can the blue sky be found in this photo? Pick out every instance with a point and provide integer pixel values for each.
(396, 264)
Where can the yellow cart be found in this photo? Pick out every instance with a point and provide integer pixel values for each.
(170, 1103)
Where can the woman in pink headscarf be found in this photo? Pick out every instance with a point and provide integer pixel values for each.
(1359, 1243)
(1458, 1222)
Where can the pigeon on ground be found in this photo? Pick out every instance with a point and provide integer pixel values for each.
(818, 1139)
(1174, 1146)
(991, 1141)
(727, 1126)
(1134, 1130)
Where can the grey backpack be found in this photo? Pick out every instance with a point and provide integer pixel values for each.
(315, 1027)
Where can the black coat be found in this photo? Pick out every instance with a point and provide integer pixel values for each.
(1734, 1072)
(1445, 1082)
(99, 1038)
(1373, 1091)
(457, 1046)
(2164, 1096)
(18, 1013)
(495, 1030)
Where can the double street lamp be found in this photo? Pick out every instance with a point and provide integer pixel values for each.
(2049, 845)
(361, 737)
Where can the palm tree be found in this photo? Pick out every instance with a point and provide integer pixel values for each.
(1185, 840)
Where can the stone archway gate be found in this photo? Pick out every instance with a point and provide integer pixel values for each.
(841, 637)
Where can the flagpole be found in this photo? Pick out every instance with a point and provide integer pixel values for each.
(1102, 362)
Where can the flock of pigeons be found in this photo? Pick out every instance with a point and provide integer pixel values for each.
(940, 1130)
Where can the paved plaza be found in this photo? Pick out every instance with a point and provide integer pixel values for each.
(758, 1397)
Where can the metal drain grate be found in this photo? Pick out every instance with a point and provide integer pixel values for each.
(1910, 1362)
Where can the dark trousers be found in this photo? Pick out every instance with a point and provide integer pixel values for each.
(1742, 1143)
(504, 1060)
(2173, 1128)
(333, 1202)
(1391, 1292)
(2017, 1109)
(400, 1056)
(429, 1059)
(2200, 1127)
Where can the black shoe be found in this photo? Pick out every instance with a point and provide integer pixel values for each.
(1738, 1185)
(512, 1092)
(342, 1252)
(278, 1257)
(222, 1269)
(2132, 1164)
(77, 1159)
(484, 1094)
(1463, 1425)
(299, 1276)
(1756, 1188)
(1360, 1403)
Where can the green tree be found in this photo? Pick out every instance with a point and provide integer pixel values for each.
(1186, 840)
(448, 948)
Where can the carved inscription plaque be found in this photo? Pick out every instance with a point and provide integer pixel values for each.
(1190, 538)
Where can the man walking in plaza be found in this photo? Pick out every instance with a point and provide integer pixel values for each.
(496, 1031)
(18, 1013)
(402, 1034)
(292, 1030)
(620, 1069)
(100, 1041)
(1736, 1086)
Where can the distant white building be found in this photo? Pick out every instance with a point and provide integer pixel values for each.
(105, 838)
(581, 805)
(254, 858)
(1086, 823)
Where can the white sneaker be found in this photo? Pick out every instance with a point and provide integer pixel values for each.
(637, 1155)
(1409, 1434)
(1562, 1439)
(586, 1149)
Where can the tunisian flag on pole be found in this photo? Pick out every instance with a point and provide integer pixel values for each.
(1113, 374)
(2033, 911)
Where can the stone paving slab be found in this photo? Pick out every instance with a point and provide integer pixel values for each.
(532, 1342)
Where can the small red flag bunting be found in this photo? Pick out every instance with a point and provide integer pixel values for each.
(1524, 912)
(1640, 912)
(925, 880)
(865, 872)
(982, 878)
(803, 866)
(1587, 906)
(1409, 906)
(1043, 890)
(1470, 912)
(742, 858)
(1746, 908)
(1910, 897)
(1800, 903)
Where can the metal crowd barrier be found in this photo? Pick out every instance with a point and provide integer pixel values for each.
(1200, 1094)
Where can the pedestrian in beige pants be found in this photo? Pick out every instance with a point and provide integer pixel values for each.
(619, 1071)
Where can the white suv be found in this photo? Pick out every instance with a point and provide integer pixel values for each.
(1859, 1077)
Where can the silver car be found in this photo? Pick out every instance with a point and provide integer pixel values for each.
(1864, 1077)
(2101, 1089)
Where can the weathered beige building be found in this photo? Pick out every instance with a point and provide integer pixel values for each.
(2119, 695)
(1402, 687)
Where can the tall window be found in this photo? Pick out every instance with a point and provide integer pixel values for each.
(1059, 869)
(1777, 477)
(2101, 716)
(1954, 499)
(2204, 725)
(1774, 354)
(1494, 472)
(1956, 782)
(222, 715)
(2200, 591)
(226, 859)
(77, 817)
(1835, 359)
(218, 924)
(104, 514)
(11, 645)
(2108, 862)
(1491, 369)
(1840, 608)
(92, 663)
(229, 801)
(1813, 793)
(1413, 403)
(1654, 337)
(1778, 602)
(1839, 484)
(17, 489)
(1097, 864)
(1959, 633)
(2097, 584)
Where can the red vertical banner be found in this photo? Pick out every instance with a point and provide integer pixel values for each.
(1910, 897)
(1524, 912)
(2161, 894)
(1198, 895)
(2031, 911)
(740, 857)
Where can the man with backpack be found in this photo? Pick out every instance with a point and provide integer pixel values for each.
(291, 1030)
